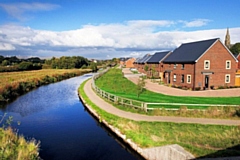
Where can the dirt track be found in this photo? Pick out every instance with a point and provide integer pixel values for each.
(138, 117)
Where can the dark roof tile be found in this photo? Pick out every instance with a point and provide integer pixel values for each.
(157, 57)
(189, 52)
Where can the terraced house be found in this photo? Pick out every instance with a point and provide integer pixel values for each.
(200, 65)
(155, 64)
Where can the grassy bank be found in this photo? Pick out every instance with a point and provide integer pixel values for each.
(114, 82)
(13, 84)
(201, 140)
(16, 147)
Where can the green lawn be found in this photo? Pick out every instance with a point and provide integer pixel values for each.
(114, 82)
(200, 140)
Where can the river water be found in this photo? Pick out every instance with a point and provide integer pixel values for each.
(53, 115)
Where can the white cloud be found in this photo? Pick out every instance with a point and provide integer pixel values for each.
(97, 41)
(6, 47)
(17, 10)
(195, 23)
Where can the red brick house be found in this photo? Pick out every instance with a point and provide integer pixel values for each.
(238, 58)
(140, 63)
(127, 62)
(155, 64)
(200, 65)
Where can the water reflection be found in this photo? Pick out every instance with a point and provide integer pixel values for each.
(54, 115)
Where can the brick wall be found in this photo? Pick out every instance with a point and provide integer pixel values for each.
(129, 63)
(217, 55)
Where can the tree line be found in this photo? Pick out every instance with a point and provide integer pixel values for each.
(8, 64)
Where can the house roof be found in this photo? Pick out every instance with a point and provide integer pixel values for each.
(190, 52)
(143, 59)
(158, 57)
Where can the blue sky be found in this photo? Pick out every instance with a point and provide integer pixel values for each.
(105, 28)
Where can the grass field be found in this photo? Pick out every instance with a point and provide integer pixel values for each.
(114, 82)
(200, 140)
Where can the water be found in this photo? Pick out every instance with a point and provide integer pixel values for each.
(54, 116)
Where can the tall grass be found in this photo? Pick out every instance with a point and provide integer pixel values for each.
(13, 84)
(201, 140)
(16, 147)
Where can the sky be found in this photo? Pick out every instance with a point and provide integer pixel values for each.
(106, 29)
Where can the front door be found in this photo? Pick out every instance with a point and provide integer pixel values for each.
(206, 81)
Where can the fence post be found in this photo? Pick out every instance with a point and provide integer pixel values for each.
(145, 107)
(115, 99)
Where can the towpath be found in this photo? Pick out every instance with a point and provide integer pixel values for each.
(139, 117)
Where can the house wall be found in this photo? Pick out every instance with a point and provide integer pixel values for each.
(237, 79)
(178, 71)
(238, 65)
(129, 63)
(217, 55)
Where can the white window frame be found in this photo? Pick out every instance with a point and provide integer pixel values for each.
(205, 66)
(189, 78)
(175, 66)
(174, 77)
(227, 64)
(227, 75)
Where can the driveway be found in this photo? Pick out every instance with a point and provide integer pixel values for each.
(155, 87)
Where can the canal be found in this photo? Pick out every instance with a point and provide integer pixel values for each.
(53, 115)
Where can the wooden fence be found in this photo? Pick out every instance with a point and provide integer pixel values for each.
(145, 106)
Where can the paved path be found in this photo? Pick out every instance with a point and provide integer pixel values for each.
(155, 87)
(138, 117)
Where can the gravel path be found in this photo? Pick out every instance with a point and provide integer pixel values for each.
(155, 87)
(138, 117)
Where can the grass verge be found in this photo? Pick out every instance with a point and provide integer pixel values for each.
(114, 82)
(200, 140)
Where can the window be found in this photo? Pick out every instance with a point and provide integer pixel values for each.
(228, 64)
(175, 66)
(227, 78)
(206, 64)
(188, 78)
(183, 66)
(182, 79)
(174, 78)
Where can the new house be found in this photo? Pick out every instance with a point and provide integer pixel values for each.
(155, 64)
(127, 62)
(140, 63)
(200, 65)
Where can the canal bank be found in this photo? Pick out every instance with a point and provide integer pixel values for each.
(170, 152)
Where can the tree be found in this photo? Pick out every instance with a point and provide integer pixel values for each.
(235, 49)
(5, 62)
(25, 66)
(93, 66)
(140, 86)
(146, 68)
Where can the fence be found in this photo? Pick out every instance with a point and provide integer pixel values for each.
(145, 106)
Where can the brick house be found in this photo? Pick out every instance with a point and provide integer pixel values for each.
(203, 65)
(140, 63)
(155, 64)
(238, 58)
(127, 62)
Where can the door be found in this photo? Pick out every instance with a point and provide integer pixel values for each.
(206, 81)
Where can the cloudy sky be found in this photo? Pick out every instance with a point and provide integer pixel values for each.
(104, 29)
